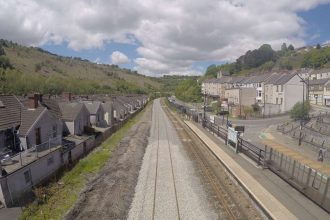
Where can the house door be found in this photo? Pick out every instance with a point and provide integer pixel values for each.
(70, 158)
(38, 136)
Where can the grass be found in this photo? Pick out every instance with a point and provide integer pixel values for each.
(57, 198)
(29, 60)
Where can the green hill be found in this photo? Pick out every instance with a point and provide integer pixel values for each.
(25, 69)
(265, 59)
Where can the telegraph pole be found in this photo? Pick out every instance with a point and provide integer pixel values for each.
(302, 117)
(303, 113)
(204, 110)
(240, 101)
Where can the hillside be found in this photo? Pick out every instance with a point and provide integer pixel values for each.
(170, 82)
(261, 60)
(33, 69)
(265, 59)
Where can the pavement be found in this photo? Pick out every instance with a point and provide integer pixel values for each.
(304, 153)
(299, 205)
(168, 186)
(10, 213)
(273, 208)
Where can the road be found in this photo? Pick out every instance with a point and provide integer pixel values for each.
(168, 186)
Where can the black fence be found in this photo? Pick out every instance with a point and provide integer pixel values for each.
(254, 152)
(312, 183)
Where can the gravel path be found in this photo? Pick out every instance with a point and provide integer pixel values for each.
(168, 186)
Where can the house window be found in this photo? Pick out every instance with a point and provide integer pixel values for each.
(50, 161)
(27, 176)
(276, 100)
(54, 131)
(38, 136)
(277, 88)
(281, 101)
(259, 93)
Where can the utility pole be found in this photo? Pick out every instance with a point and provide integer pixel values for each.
(264, 98)
(302, 117)
(204, 112)
(240, 100)
(303, 113)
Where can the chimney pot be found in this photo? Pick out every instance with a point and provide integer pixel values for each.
(33, 101)
(67, 96)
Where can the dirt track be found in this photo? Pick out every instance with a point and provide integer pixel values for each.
(110, 194)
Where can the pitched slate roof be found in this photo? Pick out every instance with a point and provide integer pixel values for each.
(239, 79)
(107, 106)
(70, 110)
(284, 78)
(118, 106)
(318, 81)
(327, 70)
(258, 78)
(10, 111)
(52, 106)
(29, 117)
(223, 79)
(211, 80)
(92, 106)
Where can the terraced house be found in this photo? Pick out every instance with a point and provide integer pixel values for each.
(273, 92)
(319, 91)
(41, 134)
(10, 117)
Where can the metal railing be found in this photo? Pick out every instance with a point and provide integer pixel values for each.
(312, 183)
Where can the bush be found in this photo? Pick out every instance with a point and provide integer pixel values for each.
(4, 63)
(299, 111)
(189, 91)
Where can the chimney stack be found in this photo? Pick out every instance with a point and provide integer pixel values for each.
(33, 101)
(67, 96)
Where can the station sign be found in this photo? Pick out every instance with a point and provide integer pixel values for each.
(232, 135)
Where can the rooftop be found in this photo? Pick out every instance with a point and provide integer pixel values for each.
(10, 112)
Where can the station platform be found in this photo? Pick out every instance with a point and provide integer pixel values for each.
(271, 206)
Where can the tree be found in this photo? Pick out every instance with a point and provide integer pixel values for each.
(285, 64)
(258, 57)
(4, 62)
(2, 51)
(216, 107)
(290, 47)
(299, 111)
(256, 108)
(212, 70)
(189, 91)
(284, 47)
(248, 110)
(318, 46)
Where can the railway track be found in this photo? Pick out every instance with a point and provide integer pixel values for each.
(231, 211)
(172, 169)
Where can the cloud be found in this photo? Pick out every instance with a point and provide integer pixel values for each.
(172, 35)
(118, 57)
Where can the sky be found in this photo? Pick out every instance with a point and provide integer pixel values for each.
(163, 37)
